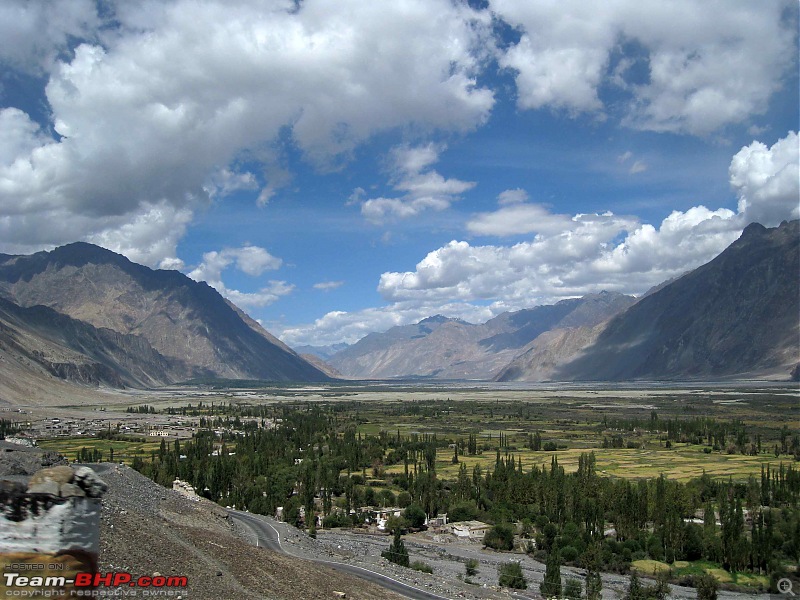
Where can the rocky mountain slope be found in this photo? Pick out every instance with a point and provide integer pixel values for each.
(149, 327)
(41, 338)
(453, 349)
(738, 315)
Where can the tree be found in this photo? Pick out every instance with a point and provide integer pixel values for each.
(591, 562)
(660, 590)
(572, 589)
(415, 516)
(551, 584)
(500, 537)
(397, 552)
(706, 585)
(511, 576)
(635, 589)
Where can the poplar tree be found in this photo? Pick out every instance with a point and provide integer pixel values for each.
(591, 562)
(551, 584)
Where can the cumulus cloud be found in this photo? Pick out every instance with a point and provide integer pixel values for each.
(588, 253)
(424, 188)
(767, 180)
(251, 260)
(688, 67)
(582, 258)
(34, 33)
(159, 107)
(265, 296)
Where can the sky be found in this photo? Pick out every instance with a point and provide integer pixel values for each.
(341, 167)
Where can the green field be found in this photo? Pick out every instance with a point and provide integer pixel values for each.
(681, 464)
(579, 422)
(124, 450)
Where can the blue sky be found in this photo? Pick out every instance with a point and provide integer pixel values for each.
(337, 168)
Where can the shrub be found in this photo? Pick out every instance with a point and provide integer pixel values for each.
(471, 567)
(418, 565)
(336, 520)
(511, 576)
(569, 554)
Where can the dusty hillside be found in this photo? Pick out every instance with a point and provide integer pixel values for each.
(148, 529)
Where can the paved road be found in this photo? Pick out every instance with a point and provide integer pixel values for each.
(269, 537)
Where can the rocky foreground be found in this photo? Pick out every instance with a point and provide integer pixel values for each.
(147, 529)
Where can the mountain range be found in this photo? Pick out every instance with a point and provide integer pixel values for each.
(88, 315)
(738, 315)
(85, 315)
(454, 349)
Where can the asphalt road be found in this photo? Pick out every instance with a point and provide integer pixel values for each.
(268, 536)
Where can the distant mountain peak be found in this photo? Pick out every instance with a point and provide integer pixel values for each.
(436, 319)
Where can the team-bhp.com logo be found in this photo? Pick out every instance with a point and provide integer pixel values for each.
(86, 583)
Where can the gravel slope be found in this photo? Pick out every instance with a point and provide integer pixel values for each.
(147, 529)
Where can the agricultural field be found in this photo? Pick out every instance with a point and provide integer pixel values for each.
(588, 421)
(124, 451)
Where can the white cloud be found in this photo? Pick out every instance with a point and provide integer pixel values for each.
(588, 253)
(425, 189)
(594, 253)
(181, 92)
(148, 236)
(637, 167)
(251, 260)
(224, 182)
(327, 286)
(517, 219)
(767, 181)
(707, 64)
(34, 33)
(254, 260)
(20, 136)
(263, 297)
(515, 196)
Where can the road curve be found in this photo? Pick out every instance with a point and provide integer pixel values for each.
(268, 536)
